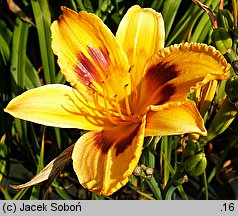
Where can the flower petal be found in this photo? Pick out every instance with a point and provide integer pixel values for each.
(88, 53)
(58, 106)
(174, 72)
(141, 34)
(175, 119)
(103, 160)
(204, 96)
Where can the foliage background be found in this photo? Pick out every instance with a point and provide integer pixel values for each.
(27, 61)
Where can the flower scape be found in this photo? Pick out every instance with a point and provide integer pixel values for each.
(123, 88)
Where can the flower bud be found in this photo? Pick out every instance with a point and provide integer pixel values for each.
(222, 40)
(191, 148)
(196, 164)
(222, 120)
(225, 20)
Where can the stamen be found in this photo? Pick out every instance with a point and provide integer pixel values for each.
(109, 116)
(95, 99)
(128, 109)
(119, 109)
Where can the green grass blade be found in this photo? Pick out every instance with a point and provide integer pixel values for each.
(154, 187)
(185, 25)
(203, 28)
(22, 131)
(60, 191)
(60, 78)
(5, 194)
(166, 152)
(169, 11)
(32, 78)
(58, 138)
(36, 189)
(5, 40)
(85, 5)
(221, 94)
(73, 5)
(170, 187)
(43, 21)
(20, 194)
(157, 5)
(18, 57)
(4, 50)
(81, 5)
(3, 155)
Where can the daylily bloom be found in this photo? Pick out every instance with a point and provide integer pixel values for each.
(124, 88)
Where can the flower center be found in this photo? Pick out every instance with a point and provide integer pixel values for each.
(117, 112)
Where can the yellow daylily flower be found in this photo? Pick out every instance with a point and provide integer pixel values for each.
(124, 87)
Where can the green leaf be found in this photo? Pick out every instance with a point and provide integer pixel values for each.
(18, 57)
(43, 21)
(20, 194)
(5, 194)
(36, 189)
(169, 11)
(61, 192)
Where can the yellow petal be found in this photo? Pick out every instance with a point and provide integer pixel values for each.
(141, 34)
(174, 72)
(58, 106)
(88, 53)
(205, 95)
(103, 160)
(175, 119)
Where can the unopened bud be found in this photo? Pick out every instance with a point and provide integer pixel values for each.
(222, 120)
(225, 19)
(222, 40)
(196, 164)
(191, 148)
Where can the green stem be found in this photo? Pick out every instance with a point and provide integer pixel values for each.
(169, 191)
(176, 180)
(153, 185)
(205, 184)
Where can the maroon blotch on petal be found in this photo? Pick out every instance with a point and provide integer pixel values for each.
(99, 56)
(123, 144)
(161, 73)
(86, 69)
(104, 140)
(165, 93)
